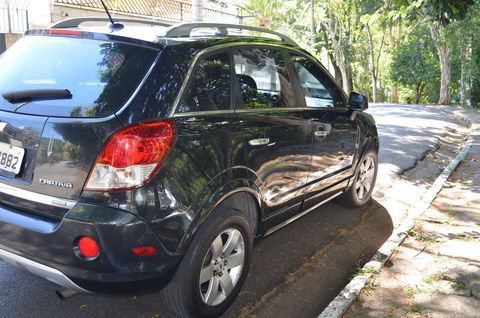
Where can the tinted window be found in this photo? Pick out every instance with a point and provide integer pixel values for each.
(100, 75)
(263, 78)
(318, 88)
(210, 86)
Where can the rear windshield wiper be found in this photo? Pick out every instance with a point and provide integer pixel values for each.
(28, 95)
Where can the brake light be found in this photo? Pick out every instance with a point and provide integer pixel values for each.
(65, 32)
(131, 156)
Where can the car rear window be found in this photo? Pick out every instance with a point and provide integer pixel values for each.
(100, 75)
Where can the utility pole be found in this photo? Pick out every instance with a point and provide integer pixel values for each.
(197, 10)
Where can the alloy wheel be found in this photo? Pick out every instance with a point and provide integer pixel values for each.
(222, 266)
(366, 174)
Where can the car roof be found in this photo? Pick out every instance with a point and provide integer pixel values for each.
(210, 41)
(160, 33)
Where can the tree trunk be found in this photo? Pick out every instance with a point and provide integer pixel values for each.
(350, 80)
(419, 92)
(395, 34)
(312, 22)
(338, 73)
(372, 64)
(346, 83)
(464, 57)
(394, 94)
(445, 58)
(374, 89)
(445, 54)
(340, 58)
(463, 89)
(333, 28)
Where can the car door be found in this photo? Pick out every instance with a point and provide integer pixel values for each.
(277, 134)
(335, 133)
(206, 147)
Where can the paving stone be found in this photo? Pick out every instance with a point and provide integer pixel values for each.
(469, 275)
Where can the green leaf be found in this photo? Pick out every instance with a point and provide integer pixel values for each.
(403, 11)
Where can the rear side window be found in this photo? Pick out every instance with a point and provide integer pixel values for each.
(209, 89)
(319, 90)
(101, 76)
(263, 78)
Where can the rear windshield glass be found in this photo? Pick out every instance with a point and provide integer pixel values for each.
(101, 76)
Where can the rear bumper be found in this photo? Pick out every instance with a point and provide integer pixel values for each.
(49, 273)
(44, 247)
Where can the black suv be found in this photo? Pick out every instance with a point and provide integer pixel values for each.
(142, 162)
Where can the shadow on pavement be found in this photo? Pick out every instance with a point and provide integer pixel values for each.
(330, 242)
(340, 238)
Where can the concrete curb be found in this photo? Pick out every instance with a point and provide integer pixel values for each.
(344, 299)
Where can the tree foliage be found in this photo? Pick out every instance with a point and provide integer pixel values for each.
(381, 47)
(415, 65)
(444, 11)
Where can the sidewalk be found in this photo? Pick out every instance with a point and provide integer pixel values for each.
(436, 271)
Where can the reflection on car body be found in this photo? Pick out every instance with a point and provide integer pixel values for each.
(169, 156)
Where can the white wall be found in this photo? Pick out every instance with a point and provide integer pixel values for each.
(39, 13)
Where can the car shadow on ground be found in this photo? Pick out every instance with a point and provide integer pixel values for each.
(333, 237)
(352, 235)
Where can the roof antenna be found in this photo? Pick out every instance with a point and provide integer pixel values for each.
(112, 25)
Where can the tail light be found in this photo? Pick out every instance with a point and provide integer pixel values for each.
(145, 251)
(131, 156)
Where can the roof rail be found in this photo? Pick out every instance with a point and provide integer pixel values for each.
(184, 30)
(75, 22)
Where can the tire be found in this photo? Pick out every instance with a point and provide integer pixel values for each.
(184, 295)
(359, 193)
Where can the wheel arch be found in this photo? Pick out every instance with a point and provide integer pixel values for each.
(368, 138)
(369, 134)
(242, 195)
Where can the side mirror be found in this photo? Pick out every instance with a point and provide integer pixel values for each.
(357, 102)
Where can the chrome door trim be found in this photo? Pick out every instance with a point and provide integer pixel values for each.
(36, 197)
(247, 111)
(270, 110)
(299, 215)
(259, 142)
(205, 113)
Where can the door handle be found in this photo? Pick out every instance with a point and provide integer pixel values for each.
(321, 133)
(259, 142)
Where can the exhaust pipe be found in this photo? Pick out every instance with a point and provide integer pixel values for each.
(65, 293)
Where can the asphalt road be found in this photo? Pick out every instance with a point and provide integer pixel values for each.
(406, 133)
(337, 237)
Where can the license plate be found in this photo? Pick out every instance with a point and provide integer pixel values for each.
(11, 157)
